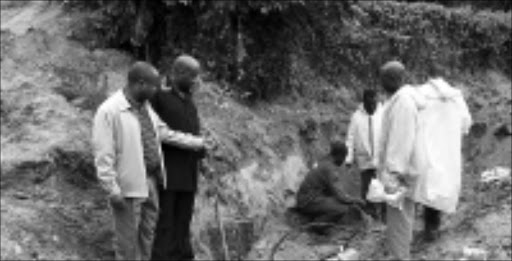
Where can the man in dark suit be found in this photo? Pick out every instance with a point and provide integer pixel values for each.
(176, 108)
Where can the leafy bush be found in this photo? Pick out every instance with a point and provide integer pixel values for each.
(86, 89)
(503, 5)
(427, 37)
(460, 39)
(239, 41)
(249, 44)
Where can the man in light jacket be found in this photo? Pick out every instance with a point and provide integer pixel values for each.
(445, 120)
(126, 141)
(399, 162)
(362, 142)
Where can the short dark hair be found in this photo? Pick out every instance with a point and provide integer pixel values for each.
(434, 69)
(338, 148)
(143, 71)
(392, 76)
(369, 93)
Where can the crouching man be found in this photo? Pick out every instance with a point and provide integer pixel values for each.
(320, 198)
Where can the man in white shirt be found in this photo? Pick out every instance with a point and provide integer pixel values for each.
(399, 164)
(362, 142)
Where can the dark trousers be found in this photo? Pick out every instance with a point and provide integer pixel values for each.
(375, 209)
(431, 219)
(324, 210)
(172, 240)
(329, 211)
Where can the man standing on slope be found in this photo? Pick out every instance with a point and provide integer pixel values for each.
(126, 141)
(362, 142)
(444, 120)
(399, 160)
(177, 109)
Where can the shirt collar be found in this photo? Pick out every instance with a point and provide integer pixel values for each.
(128, 103)
(174, 90)
(363, 110)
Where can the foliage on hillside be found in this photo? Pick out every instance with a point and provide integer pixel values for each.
(503, 5)
(249, 43)
(458, 39)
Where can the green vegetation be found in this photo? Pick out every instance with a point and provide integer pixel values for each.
(249, 44)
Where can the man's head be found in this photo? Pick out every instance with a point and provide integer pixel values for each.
(435, 69)
(185, 73)
(370, 101)
(392, 76)
(338, 152)
(143, 80)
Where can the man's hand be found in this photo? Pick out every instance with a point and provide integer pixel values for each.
(391, 181)
(347, 199)
(357, 201)
(117, 200)
(210, 144)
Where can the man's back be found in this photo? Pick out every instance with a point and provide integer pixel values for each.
(398, 148)
(314, 185)
(362, 141)
(180, 114)
(444, 120)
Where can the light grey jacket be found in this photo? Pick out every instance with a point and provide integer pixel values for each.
(117, 144)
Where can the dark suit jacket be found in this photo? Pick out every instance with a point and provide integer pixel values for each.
(179, 114)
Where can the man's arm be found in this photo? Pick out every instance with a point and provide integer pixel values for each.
(401, 136)
(202, 153)
(104, 152)
(178, 139)
(344, 197)
(466, 115)
(401, 143)
(331, 181)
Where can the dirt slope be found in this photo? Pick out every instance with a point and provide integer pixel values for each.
(52, 209)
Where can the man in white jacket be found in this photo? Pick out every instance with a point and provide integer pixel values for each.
(126, 140)
(444, 121)
(362, 142)
(398, 157)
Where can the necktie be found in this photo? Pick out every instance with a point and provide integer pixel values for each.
(370, 134)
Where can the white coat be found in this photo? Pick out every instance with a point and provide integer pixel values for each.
(444, 120)
(401, 138)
